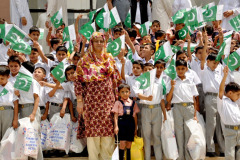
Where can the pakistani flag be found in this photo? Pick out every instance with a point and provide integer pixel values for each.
(3, 92)
(41, 33)
(24, 80)
(4, 28)
(147, 79)
(164, 52)
(69, 35)
(233, 61)
(87, 30)
(59, 71)
(235, 23)
(114, 18)
(226, 36)
(115, 47)
(144, 30)
(224, 49)
(180, 16)
(171, 69)
(194, 16)
(17, 38)
(184, 31)
(214, 13)
(175, 49)
(208, 6)
(127, 21)
(130, 55)
(92, 13)
(57, 18)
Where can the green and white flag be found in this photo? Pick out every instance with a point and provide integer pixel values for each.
(184, 31)
(18, 39)
(57, 18)
(3, 92)
(192, 46)
(194, 16)
(180, 16)
(23, 80)
(130, 55)
(226, 36)
(59, 71)
(214, 13)
(114, 18)
(224, 49)
(171, 69)
(115, 47)
(115, 155)
(164, 87)
(147, 79)
(92, 13)
(233, 61)
(88, 30)
(208, 6)
(128, 22)
(144, 30)
(164, 52)
(235, 23)
(41, 33)
(69, 35)
(175, 49)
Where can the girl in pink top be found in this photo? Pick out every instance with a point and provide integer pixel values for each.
(125, 120)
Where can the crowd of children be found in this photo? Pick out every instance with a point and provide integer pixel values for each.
(203, 83)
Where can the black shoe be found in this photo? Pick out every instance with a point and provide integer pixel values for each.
(211, 154)
(221, 155)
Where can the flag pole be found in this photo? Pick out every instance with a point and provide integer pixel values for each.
(228, 60)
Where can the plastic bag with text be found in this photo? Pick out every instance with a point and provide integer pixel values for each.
(77, 145)
(197, 142)
(58, 136)
(45, 126)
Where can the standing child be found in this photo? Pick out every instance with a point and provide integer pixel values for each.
(182, 93)
(230, 116)
(8, 102)
(125, 120)
(153, 105)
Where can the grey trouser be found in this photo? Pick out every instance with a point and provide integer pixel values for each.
(53, 109)
(182, 114)
(6, 118)
(232, 144)
(213, 122)
(151, 127)
(25, 110)
(75, 113)
(201, 99)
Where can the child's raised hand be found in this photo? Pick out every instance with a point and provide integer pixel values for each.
(36, 45)
(173, 83)
(116, 130)
(42, 83)
(188, 38)
(16, 92)
(57, 83)
(225, 71)
(79, 16)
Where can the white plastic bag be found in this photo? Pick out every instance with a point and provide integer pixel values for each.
(115, 155)
(7, 144)
(45, 126)
(77, 145)
(202, 123)
(197, 142)
(58, 136)
(169, 143)
(28, 140)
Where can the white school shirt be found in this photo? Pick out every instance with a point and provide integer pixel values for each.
(131, 80)
(3, 53)
(192, 75)
(157, 92)
(10, 97)
(211, 79)
(12, 79)
(196, 65)
(28, 97)
(54, 55)
(57, 97)
(42, 96)
(229, 111)
(69, 87)
(127, 67)
(184, 91)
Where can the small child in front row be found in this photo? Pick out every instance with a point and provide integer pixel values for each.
(125, 120)
(230, 115)
(182, 95)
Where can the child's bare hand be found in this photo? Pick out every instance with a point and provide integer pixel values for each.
(42, 83)
(165, 118)
(16, 92)
(149, 98)
(116, 130)
(173, 83)
(62, 113)
(32, 117)
(44, 117)
(79, 16)
(15, 124)
(74, 119)
(195, 118)
(225, 71)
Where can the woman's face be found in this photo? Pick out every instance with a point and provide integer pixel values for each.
(98, 44)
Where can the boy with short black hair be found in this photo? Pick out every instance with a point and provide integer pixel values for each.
(155, 27)
(55, 43)
(14, 65)
(211, 75)
(230, 116)
(8, 102)
(147, 53)
(117, 32)
(153, 105)
(181, 94)
(133, 35)
(160, 35)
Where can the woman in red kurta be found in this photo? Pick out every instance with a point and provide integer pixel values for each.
(95, 86)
